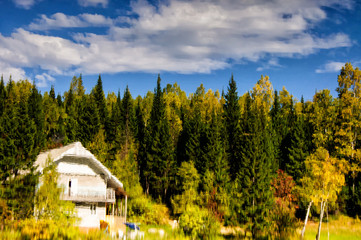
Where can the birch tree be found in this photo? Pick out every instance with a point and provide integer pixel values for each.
(323, 181)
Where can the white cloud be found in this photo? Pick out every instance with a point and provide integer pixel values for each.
(60, 20)
(43, 79)
(330, 67)
(26, 4)
(180, 36)
(16, 73)
(93, 3)
(271, 63)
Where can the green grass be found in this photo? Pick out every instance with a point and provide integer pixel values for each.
(343, 228)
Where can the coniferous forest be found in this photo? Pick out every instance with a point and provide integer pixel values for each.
(262, 160)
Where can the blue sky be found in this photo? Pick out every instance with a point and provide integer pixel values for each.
(299, 44)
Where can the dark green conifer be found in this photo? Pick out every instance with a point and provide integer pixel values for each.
(255, 172)
(36, 114)
(232, 116)
(159, 159)
(100, 101)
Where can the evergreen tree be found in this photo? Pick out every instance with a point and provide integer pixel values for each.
(127, 116)
(232, 116)
(52, 92)
(114, 129)
(88, 120)
(59, 100)
(71, 125)
(17, 154)
(255, 173)
(2, 96)
(298, 150)
(278, 128)
(36, 114)
(159, 159)
(100, 101)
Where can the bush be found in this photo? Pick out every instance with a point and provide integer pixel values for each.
(142, 209)
(198, 223)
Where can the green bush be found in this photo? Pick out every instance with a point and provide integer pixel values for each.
(198, 223)
(143, 210)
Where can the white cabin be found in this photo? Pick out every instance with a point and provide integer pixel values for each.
(97, 194)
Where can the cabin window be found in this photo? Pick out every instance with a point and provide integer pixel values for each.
(93, 209)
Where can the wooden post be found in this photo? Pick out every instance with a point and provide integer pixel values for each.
(113, 210)
(121, 208)
(125, 215)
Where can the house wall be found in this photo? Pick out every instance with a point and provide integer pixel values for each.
(89, 219)
(85, 182)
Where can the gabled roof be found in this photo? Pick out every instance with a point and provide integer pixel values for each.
(76, 150)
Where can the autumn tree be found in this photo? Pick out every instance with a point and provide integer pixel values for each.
(323, 181)
(347, 136)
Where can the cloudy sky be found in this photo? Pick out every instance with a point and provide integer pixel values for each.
(299, 44)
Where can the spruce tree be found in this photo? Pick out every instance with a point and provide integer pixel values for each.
(71, 124)
(255, 172)
(88, 120)
(298, 150)
(17, 155)
(36, 114)
(159, 159)
(100, 101)
(52, 92)
(232, 116)
(127, 116)
(2, 96)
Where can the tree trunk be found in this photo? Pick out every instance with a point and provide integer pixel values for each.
(321, 216)
(306, 219)
(328, 230)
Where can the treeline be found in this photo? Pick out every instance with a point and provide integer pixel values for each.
(216, 151)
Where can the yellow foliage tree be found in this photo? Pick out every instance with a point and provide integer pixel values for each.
(323, 181)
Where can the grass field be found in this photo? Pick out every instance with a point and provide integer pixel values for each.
(343, 228)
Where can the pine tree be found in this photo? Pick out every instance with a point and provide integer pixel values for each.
(17, 154)
(159, 159)
(232, 116)
(255, 173)
(88, 120)
(52, 92)
(278, 128)
(2, 96)
(71, 124)
(59, 100)
(36, 114)
(100, 101)
(127, 116)
(298, 150)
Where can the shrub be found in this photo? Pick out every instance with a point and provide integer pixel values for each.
(198, 223)
(142, 209)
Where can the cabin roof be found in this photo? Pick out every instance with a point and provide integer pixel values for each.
(76, 150)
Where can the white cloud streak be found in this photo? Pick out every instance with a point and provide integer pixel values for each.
(26, 4)
(180, 36)
(43, 79)
(60, 20)
(93, 3)
(330, 67)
